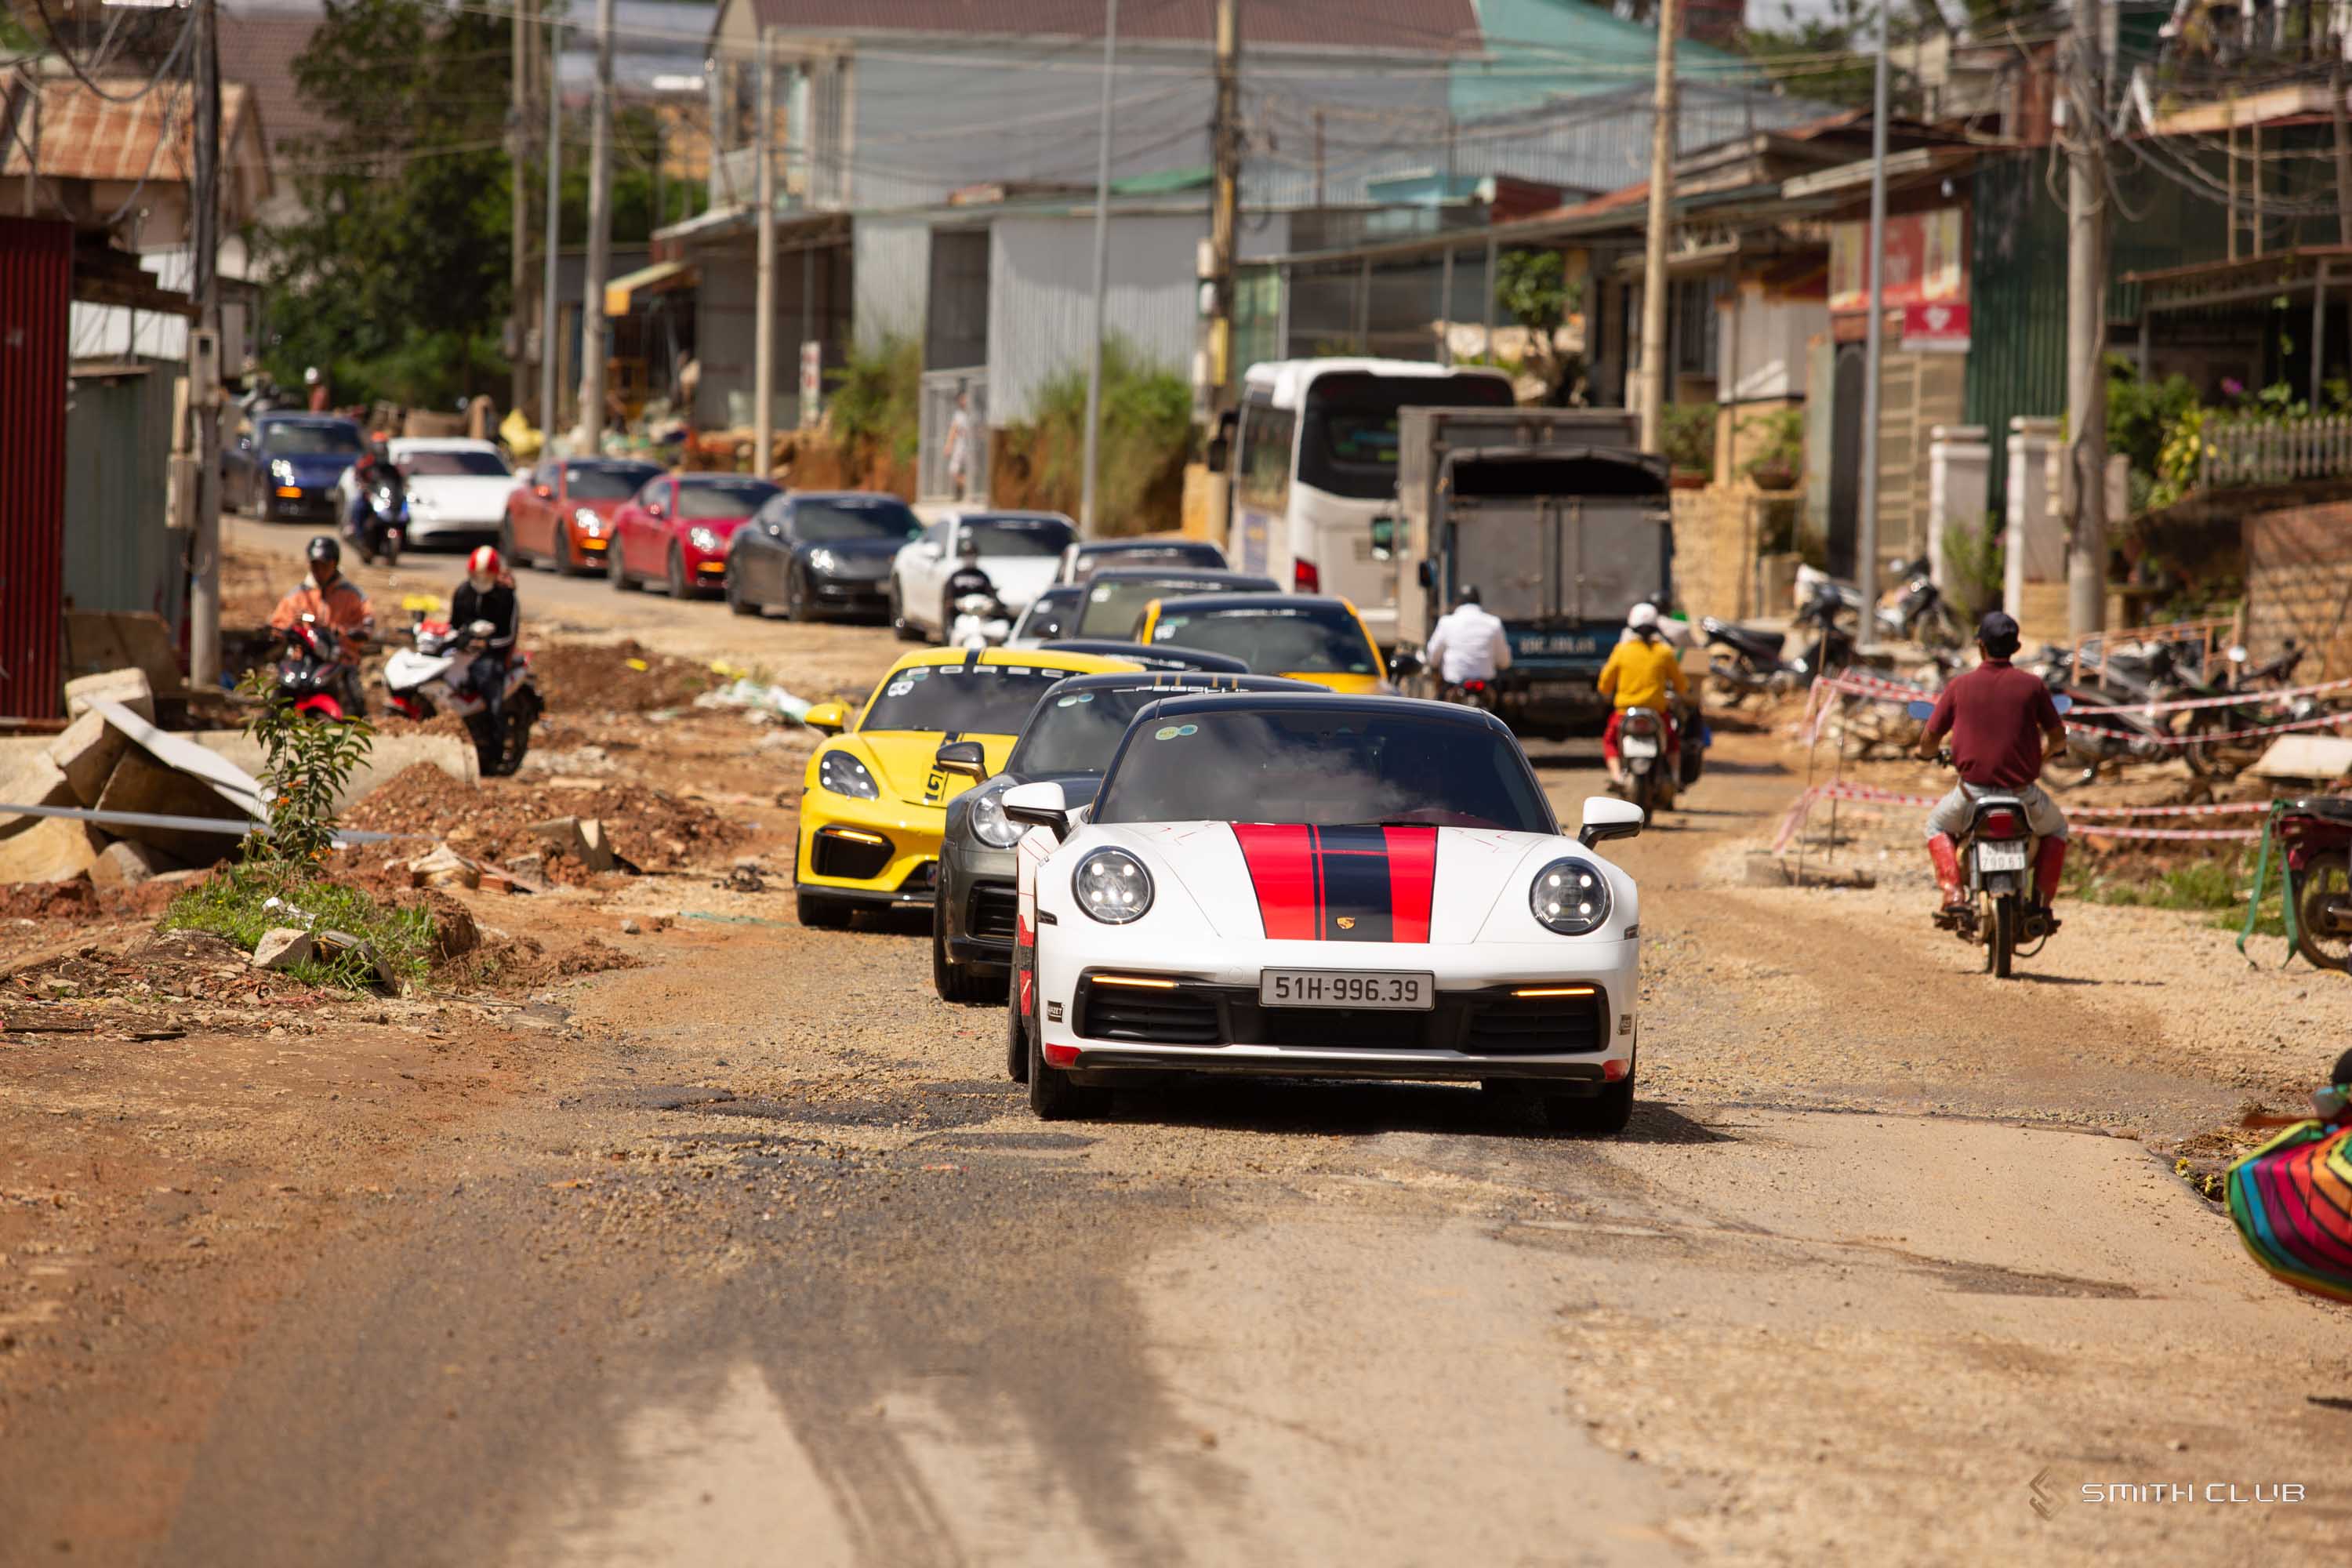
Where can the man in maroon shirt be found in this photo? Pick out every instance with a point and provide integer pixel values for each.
(2003, 727)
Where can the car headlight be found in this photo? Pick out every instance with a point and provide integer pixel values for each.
(590, 523)
(845, 774)
(281, 471)
(1112, 885)
(823, 561)
(1571, 897)
(702, 539)
(990, 826)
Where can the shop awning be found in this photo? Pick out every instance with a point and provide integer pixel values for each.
(659, 278)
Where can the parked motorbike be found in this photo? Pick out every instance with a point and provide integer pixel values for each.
(981, 621)
(2093, 740)
(436, 674)
(1651, 754)
(1918, 611)
(382, 526)
(1749, 662)
(310, 671)
(2316, 835)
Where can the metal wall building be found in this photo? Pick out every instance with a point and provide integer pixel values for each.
(36, 296)
(118, 555)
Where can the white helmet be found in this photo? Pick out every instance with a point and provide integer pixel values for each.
(1643, 617)
(310, 376)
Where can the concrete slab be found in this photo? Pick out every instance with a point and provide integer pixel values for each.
(128, 687)
(88, 752)
(140, 783)
(34, 780)
(53, 849)
(392, 754)
(126, 863)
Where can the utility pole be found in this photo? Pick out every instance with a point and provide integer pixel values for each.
(204, 609)
(600, 240)
(1665, 110)
(1102, 277)
(550, 411)
(1873, 370)
(2086, 327)
(2335, 106)
(1225, 200)
(519, 185)
(763, 307)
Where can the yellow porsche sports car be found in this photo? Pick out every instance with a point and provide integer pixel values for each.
(874, 801)
(1302, 636)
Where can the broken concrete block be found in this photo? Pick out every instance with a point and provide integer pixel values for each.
(36, 780)
(569, 837)
(444, 867)
(283, 947)
(52, 849)
(339, 945)
(88, 752)
(595, 849)
(128, 687)
(127, 864)
(141, 785)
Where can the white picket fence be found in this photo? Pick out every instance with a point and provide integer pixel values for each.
(2267, 452)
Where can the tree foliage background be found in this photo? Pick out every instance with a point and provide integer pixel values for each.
(394, 278)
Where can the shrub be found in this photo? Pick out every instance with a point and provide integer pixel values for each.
(1147, 426)
(1781, 448)
(1976, 565)
(877, 398)
(244, 903)
(1687, 436)
(305, 765)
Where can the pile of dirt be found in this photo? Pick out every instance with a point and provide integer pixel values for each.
(78, 899)
(523, 964)
(163, 967)
(619, 677)
(651, 829)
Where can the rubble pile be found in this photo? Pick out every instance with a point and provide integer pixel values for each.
(623, 677)
(504, 821)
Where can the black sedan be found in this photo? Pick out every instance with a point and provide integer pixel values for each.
(816, 552)
(1068, 740)
(288, 466)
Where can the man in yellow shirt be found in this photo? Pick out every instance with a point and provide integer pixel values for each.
(1641, 671)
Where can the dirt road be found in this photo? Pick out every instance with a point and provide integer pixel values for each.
(751, 1254)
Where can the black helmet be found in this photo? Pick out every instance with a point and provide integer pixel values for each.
(1469, 595)
(324, 548)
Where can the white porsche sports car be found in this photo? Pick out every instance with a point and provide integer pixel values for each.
(1323, 887)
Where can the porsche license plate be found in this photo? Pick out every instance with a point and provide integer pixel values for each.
(2001, 855)
(1345, 988)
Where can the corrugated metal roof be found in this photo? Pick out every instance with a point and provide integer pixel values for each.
(259, 48)
(85, 136)
(1420, 25)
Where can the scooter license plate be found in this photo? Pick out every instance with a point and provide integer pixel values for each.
(1639, 746)
(2003, 855)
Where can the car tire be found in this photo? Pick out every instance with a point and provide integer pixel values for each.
(735, 599)
(946, 618)
(819, 911)
(617, 570)
(1599, 1115)
(507, 545)
(679, 588)
(1053, 1097)
(796, 607)
(905, 630)
(954, 981)
(1016, 1029)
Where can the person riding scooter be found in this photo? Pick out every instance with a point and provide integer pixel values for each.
(1467, 644)
(2003, 728)
(1642, 671)
(335, 602)
(487, 593)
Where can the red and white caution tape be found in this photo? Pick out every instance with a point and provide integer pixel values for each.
(1793, 821)
(2322, 721)
(2101, 830)
(2226, 808)
(2242, 699)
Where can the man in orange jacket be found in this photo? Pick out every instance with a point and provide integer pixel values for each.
(335, 602)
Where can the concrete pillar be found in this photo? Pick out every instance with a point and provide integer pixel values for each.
(2034, 534)
(1959, 478)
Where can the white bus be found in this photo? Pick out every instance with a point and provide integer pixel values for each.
(1315, 461)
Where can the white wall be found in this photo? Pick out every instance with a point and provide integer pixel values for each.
(1761, 351)
(1041, 292)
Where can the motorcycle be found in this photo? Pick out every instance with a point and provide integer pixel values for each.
(1751, 663)
(1918, 611)
(981, 621)
(1996, 854)
(1651, 754)
(436, 673)
(381, 525)
(1472, 693)
(2315, 834)
(2092, 739)
(310, 671)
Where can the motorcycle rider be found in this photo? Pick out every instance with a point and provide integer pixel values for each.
(373, 467)
(1467, 643)
(2003, 728)
(335, 602)
(1643, 668)
(487, 593)
(968, 578)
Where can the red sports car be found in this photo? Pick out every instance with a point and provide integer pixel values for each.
(561, 515)
(676, 529)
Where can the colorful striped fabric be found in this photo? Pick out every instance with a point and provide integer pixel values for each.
(2292, 1202)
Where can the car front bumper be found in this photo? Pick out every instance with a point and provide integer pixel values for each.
(863, 595)
(837, 855)
(444, 525)
(1483, 1025)
(978, 898)
(272, 500)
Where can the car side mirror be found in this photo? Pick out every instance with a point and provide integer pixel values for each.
(775, 530)
(827, 717)
(962, 757)
(1427, 574)
(1606, 818)
(544, 492)
(654, 508)
(934, 550)
(1404, 662)
(1041, 805)
(1919, 710)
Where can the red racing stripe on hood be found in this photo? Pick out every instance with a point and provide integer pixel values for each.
(1412, 877)
(1281, 861)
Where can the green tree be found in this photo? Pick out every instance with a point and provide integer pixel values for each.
(1532, 288)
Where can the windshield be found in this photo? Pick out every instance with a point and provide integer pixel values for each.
(1199, 553)
(1323, 638)
(1022, 536)
(1050, 613)
(454, 465)
(1113, 607)
(956, 698)
(1324, 767)
(334, 440)
(606, 482)
(722, 497)
(1076, 732)
(1350, 445)
(836, 521)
